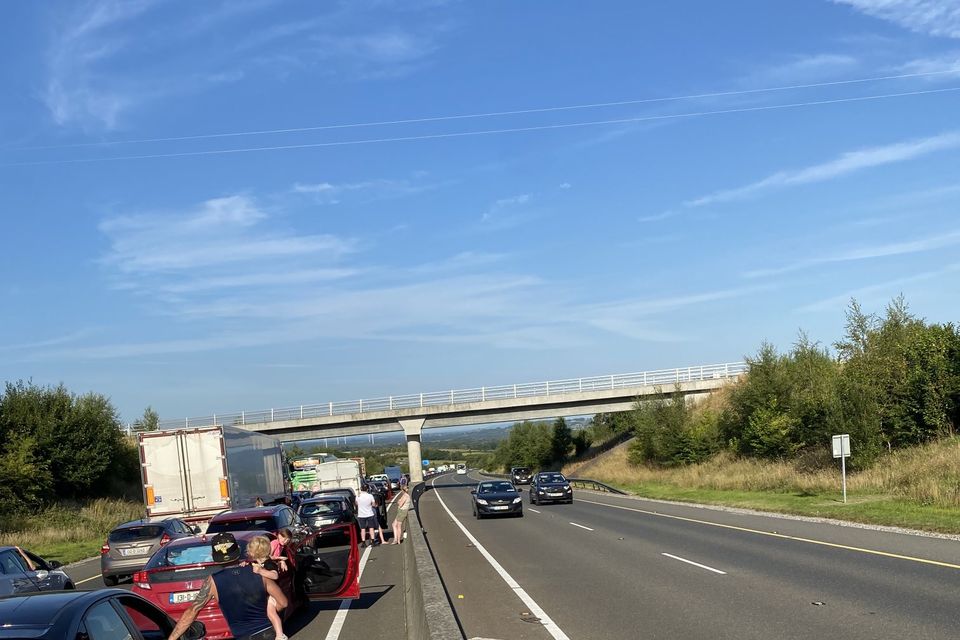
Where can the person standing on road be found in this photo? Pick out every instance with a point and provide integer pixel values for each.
(403, 508)
(367, 516)
(240, 593)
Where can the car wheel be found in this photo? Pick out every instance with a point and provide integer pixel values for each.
(110, 581)
(520, 513)
(68, 587)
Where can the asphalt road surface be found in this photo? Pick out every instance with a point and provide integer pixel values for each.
(378, 612)
(609, 567)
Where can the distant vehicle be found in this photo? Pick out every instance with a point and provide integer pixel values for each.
(302, 469)
(270, 519)
(338, 474)
(107, 614)
(550, 486)
(193, 474)
(17, 577)
(461, 469)
(495, 498)
(394, 473)
(325, 513)
(174, 575)
(432, 470)
(130, 545)
(520, 475)
(380, 477)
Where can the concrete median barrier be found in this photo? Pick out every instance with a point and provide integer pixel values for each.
(430, 615)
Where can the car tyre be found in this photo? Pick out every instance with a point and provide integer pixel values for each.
(110, 581)
(69, 587)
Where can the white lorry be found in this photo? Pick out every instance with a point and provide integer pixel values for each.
(194, 474)
(338, 474)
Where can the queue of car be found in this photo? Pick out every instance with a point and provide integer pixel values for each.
(502, 497)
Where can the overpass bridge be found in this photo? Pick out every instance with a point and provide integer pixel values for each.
(412, 413)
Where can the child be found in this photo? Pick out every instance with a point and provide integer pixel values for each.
(279, 551)
(258, 551)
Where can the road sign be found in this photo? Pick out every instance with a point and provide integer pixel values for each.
(426, 463)
(841, 449)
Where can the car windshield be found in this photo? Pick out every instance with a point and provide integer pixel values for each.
(136, 534)
(495, 487)
(321, 508)
(552, 477)
(253, 524)
(185, 556)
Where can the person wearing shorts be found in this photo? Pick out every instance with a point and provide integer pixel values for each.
(403, 508)
(367, 516)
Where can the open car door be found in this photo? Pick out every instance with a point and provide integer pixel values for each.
(328, 563)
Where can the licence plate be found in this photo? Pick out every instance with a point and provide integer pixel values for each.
(183, 596)
(133, 552)
(555, 495)
(499, 508)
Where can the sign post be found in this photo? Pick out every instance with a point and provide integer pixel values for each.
(841, 449)
(426, 462)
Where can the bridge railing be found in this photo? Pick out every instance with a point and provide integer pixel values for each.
(661, 377)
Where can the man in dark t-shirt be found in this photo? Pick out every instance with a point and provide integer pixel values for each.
(241, 593)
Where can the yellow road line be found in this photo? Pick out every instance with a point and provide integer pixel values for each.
(782, 536)
(86, 580)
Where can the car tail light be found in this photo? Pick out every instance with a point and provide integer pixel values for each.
(164, 539)
(105, 548)
(141, 579)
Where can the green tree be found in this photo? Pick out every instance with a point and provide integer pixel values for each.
(581, 442)
(149, 421)
(561, 441)
(529, 444)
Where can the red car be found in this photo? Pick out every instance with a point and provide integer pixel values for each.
(174, 574)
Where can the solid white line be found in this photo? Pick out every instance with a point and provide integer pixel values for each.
(581, 526)
(341, 617)
(696, 564)
(534, 510)
(530, 603)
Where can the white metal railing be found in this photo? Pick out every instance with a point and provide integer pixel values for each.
(464, 396)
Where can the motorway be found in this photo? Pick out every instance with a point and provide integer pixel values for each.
(619, 567)
(379, 609)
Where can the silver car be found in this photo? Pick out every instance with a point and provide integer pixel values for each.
(18, 576)
(131, 544)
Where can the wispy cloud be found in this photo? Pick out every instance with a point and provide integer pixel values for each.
(845, 164)
(507, 213)
(803, 68)
(657, 217)
(930, 243)
(368, 190)
(934, 64)
(932, 17)
(875, 292)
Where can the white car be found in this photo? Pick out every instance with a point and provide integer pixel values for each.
(461, 469)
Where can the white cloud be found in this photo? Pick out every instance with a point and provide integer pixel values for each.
(803, 68)
(506, 213)
(845, 164)
(565, 185)
(930, 243)
(931, 17)
(657, 216)
(946, 66)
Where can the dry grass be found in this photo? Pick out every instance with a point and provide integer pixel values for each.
(927, 475)
(69, 531)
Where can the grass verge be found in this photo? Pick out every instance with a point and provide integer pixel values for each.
(69, 531)
(915, 490)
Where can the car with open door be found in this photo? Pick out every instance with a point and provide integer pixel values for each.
(24, 572)
(105, 614)
(550, 486)
(496, 498)
(323, 568)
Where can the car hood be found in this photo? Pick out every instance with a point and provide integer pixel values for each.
(553, 485)
(499, 495)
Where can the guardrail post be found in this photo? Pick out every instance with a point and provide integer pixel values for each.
(611, 383)
(451, 396)
(678, 375)
(580, 385)
(701, 372)
(243, 417)
(186, 423)
(214, 419)
(331, 408)
(726, 370)
(361, 406)
(548, 387)
(421, 400)
(483, 394)
(514, 391)
(644, 378)
(301, 412)
(391, 403)
(688, 374)
(271, 415)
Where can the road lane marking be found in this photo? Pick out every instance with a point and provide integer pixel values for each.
(534, 510)
(696, 564)
(581, 526)
(85, 580)
(782, 536)
(530, 603)
(338, 620)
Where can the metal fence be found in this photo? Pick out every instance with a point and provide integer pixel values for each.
(660, 377)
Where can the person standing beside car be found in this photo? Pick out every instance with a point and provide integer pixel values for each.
(367, 515)
(240, 593)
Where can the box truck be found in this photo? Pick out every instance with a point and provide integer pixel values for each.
(195, 473)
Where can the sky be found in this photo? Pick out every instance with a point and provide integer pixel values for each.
(243, 204)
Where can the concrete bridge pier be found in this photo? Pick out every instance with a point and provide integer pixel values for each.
(413, 429)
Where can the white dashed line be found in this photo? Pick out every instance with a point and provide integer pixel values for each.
(533, 510)
(581, 526)
(696, 564)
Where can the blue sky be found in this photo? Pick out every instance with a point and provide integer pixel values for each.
(223, 206)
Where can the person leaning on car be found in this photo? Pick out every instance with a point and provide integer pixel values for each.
(241, 593)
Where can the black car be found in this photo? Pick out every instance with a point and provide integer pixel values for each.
(520, 475)
(24, 572)
(550, 486)
(495, 498)
(322, 514)
(106, 614)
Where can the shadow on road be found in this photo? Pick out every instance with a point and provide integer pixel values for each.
(368, 597)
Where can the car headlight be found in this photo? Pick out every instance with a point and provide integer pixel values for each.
(517, 499)
(481, 501)
(540, 491)
(566, 487)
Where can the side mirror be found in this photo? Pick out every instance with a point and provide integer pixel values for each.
(473, 492)
(195, 529)
(196, 631)
(55, 564)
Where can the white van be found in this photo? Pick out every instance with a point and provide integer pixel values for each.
(461, 469)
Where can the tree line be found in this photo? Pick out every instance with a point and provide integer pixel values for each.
(55, 445)
(539, 445)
